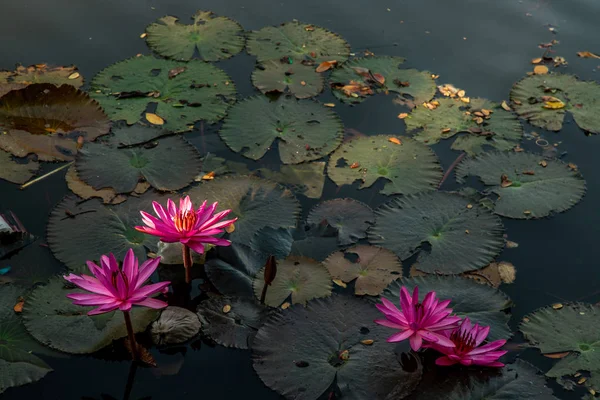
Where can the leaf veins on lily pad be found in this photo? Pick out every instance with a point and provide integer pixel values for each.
(407, 168)
(215, 38)
(16, 171)
(532, 186)
(304, 130)
(350, 218)
(280, 76)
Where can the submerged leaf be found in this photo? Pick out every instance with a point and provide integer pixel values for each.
(350, 218)
(278, 76)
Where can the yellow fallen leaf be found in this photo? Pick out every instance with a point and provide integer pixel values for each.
(143, 35)
(540, 70)
(587, 54)
(465, 99)
(209, 177)
(402, 115)
(505, 106)
(154, 119)
(285, 305)
(325, 65)
(303, 83)
(74, 75)
(226, 308)
(329, 105)
(461, 93)
(554, 105)
(367, 342)
(394, 140)
(536, 60)
(340, 283)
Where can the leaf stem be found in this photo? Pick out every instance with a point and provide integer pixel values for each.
(187, 263)
(451, 167)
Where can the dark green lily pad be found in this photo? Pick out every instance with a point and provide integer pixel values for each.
(481, 303)
(234, 326)
(18, 366)
(215, 38)
(573, 328)
(501, 129)
(413, 86)
(282, 76)
(349, 217)
(273, 242)
(407, 168)
(307, 179)
(30, 267)
(581, 98)
(126, 136)
(535, 191)
(14, 171)
(301, 41)
(41, 73)
(315, 247)
(52, 319)
(220, 166)
(200, 92)
(304, 130)
(302, 278)
(301, 351)
(461, 238)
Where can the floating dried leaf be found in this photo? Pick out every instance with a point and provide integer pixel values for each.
(354, 165)
(555, 355)
(572, 166)
(537, 60)
(154, 119)
(209, 177)
(527, 212)
(543, 163)
(340, 283)
(326, 65)
(329, 105)
(394, 140)
(344, 355)
(528, 173)
(367, 342)
(540, 70)
(469, 206)
(226, 308)
(465, 99)
(554, 105)
(505, 182)
(230, 228)
(587, 54)
(402, 115)
(446, 130)
(18, 308)
(581, 380)
(505, 106)
(285, 305)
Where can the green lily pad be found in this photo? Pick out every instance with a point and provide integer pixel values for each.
(535, 191)
(413, 86)
(300, 277)
(221, 166)
(273, 242)
(170, 164)
(30, 267)
(581, 98)
(461, 238)
(280, 76)
(134, 135)
(257, 203)
(315, 247)
(481, 303)
(300, 352)
(297, 40)
(307, 179)
(349, 217)
(48, 120)
(18, 366)
(52, 319)
(14, 171)
(305, 130)
(41, 73)
(407, 168)
(200, 92)
(573, 328)
(215, 38)
(501, 129)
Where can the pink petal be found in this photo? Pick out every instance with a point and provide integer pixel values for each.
(105, 308)
(398, 337)
(87, 284)
(185, 204)
(205, 214)
(488, 347)
(440, 340)
(481, 335)
(152, 303)
(125, 306)
(129, 266)
(415, 295)
(416, 341)
(171, 208)
(160, 211)
(85, 299)
(444, 361)
(146, 270)
(214, 221)
(149, 290)
(389, 324)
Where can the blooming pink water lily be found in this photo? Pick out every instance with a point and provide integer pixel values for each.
(193, 228)
(467, 339)
(418, 321)
(117, 288)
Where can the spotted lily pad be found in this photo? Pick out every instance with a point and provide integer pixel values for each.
(533, 187)
(545, 99)
(304, 130)
(280, 76)
(200, 91)
(307, 179)
(41, 73)
(48, 120)
(407, 168)
(484, 123)
(16, 171)
(571, 328)
(302, 351)
(349, 217)
(299, 41)
(461, 236)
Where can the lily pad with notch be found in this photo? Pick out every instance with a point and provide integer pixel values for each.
(281, 76)
(351, 218)
(15, 170)
(307, 179)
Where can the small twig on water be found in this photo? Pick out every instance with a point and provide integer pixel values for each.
(451, 167)
(39, 178)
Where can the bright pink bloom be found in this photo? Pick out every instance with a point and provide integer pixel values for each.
(466, 350)
(418, 321)
(117, 288)
(191, 228)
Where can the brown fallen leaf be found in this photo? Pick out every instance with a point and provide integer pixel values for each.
(572, 166)
(446, 130)
(154, 119)
(505, 106)
(540, 70)
(543, 163)
(465, 99)
(354, 165)
(528, 173)
(143, 35)
(504, 181)
(285, 305)
(379, 78)
(394, 140)
(309, 28)
(18, 308)
(367, 342)
(402, 115)
(209, 177)
(562, 354)
(587, 54)
(176, 71)
(326, 65)
(537, 60)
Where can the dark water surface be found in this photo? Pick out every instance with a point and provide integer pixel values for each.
(482, 46)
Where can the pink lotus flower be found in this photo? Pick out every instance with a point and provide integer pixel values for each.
(117, 288)
(418, 321)
(466, 350)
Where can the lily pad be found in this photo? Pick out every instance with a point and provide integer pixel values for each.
(175, 325)
(42, 73)
(361, 77)
(300, 352)
(85, 191)
(231, 321)
(461, 238)
(126, 136)
(349, 217)
(301, 278)
(297, 40)
(481, 303)
(545, 99)
(15, 171)
(48, 120)
(215, 38)
(533, 186)
(307, 179)
(273, 242)
(52, 319)
(282, 76)
(572, 328)
(304, 130)
(200, 91)
(30, 267)
(407, 168)
(499, 129)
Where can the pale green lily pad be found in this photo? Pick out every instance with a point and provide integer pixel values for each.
(304, 130)
(215, 38)
(302, 278)
(350, 218)
(297, 40)
(574, 328)
(536, 191)
(280, 76)
(407, 168)
(461, 238)
(580, 98)
(15, 171)
(200, 92)
(307, 179)
(500, 130)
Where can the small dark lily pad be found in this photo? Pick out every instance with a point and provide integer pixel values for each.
(349, 217)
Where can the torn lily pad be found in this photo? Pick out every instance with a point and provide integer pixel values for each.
(407, 168)
(281, 76)
(349, 217)
(16, 171)
(307, 179)
(41, 73)
(304, 130)
(527, 185)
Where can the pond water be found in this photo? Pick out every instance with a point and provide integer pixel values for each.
(482, 47)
